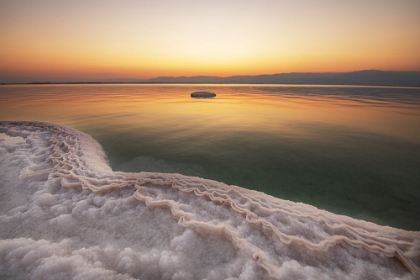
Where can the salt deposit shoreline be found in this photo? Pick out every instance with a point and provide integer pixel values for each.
(65, 213)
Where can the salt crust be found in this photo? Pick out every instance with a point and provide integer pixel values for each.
(65, 214)
(203, 94)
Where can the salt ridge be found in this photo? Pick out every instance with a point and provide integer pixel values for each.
(66, 214)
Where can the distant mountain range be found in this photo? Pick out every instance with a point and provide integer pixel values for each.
(365, 77)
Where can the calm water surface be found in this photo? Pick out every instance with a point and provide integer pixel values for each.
(349, 150)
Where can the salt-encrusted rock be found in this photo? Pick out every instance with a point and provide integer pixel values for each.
(203, 94)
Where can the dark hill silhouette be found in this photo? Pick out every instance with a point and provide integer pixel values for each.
(365, 77)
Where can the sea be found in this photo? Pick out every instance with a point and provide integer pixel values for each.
(350, 150)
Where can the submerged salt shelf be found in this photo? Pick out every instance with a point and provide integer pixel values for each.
(64, 213)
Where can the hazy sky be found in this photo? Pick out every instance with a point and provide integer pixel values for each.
(81, 40)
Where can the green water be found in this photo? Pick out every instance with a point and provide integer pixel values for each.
(350, 150)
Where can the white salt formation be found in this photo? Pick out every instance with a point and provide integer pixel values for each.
(65, 214)
(203, 94)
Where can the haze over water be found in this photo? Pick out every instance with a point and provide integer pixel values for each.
(349, 150)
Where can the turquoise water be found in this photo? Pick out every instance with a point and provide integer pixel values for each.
(350, 150)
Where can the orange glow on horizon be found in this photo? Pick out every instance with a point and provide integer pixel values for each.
(45, 41)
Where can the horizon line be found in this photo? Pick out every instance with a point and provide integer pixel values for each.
(354, 80)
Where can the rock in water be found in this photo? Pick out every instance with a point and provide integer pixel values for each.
(203, 94)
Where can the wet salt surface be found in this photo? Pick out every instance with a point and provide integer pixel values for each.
(66, 214)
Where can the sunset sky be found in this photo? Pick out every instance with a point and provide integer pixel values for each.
(92, 40)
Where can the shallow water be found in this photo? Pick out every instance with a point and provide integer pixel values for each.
(349, 150)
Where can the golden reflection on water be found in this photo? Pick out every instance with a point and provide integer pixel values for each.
(236, 108)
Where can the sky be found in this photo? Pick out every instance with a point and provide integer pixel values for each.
(92, 40)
